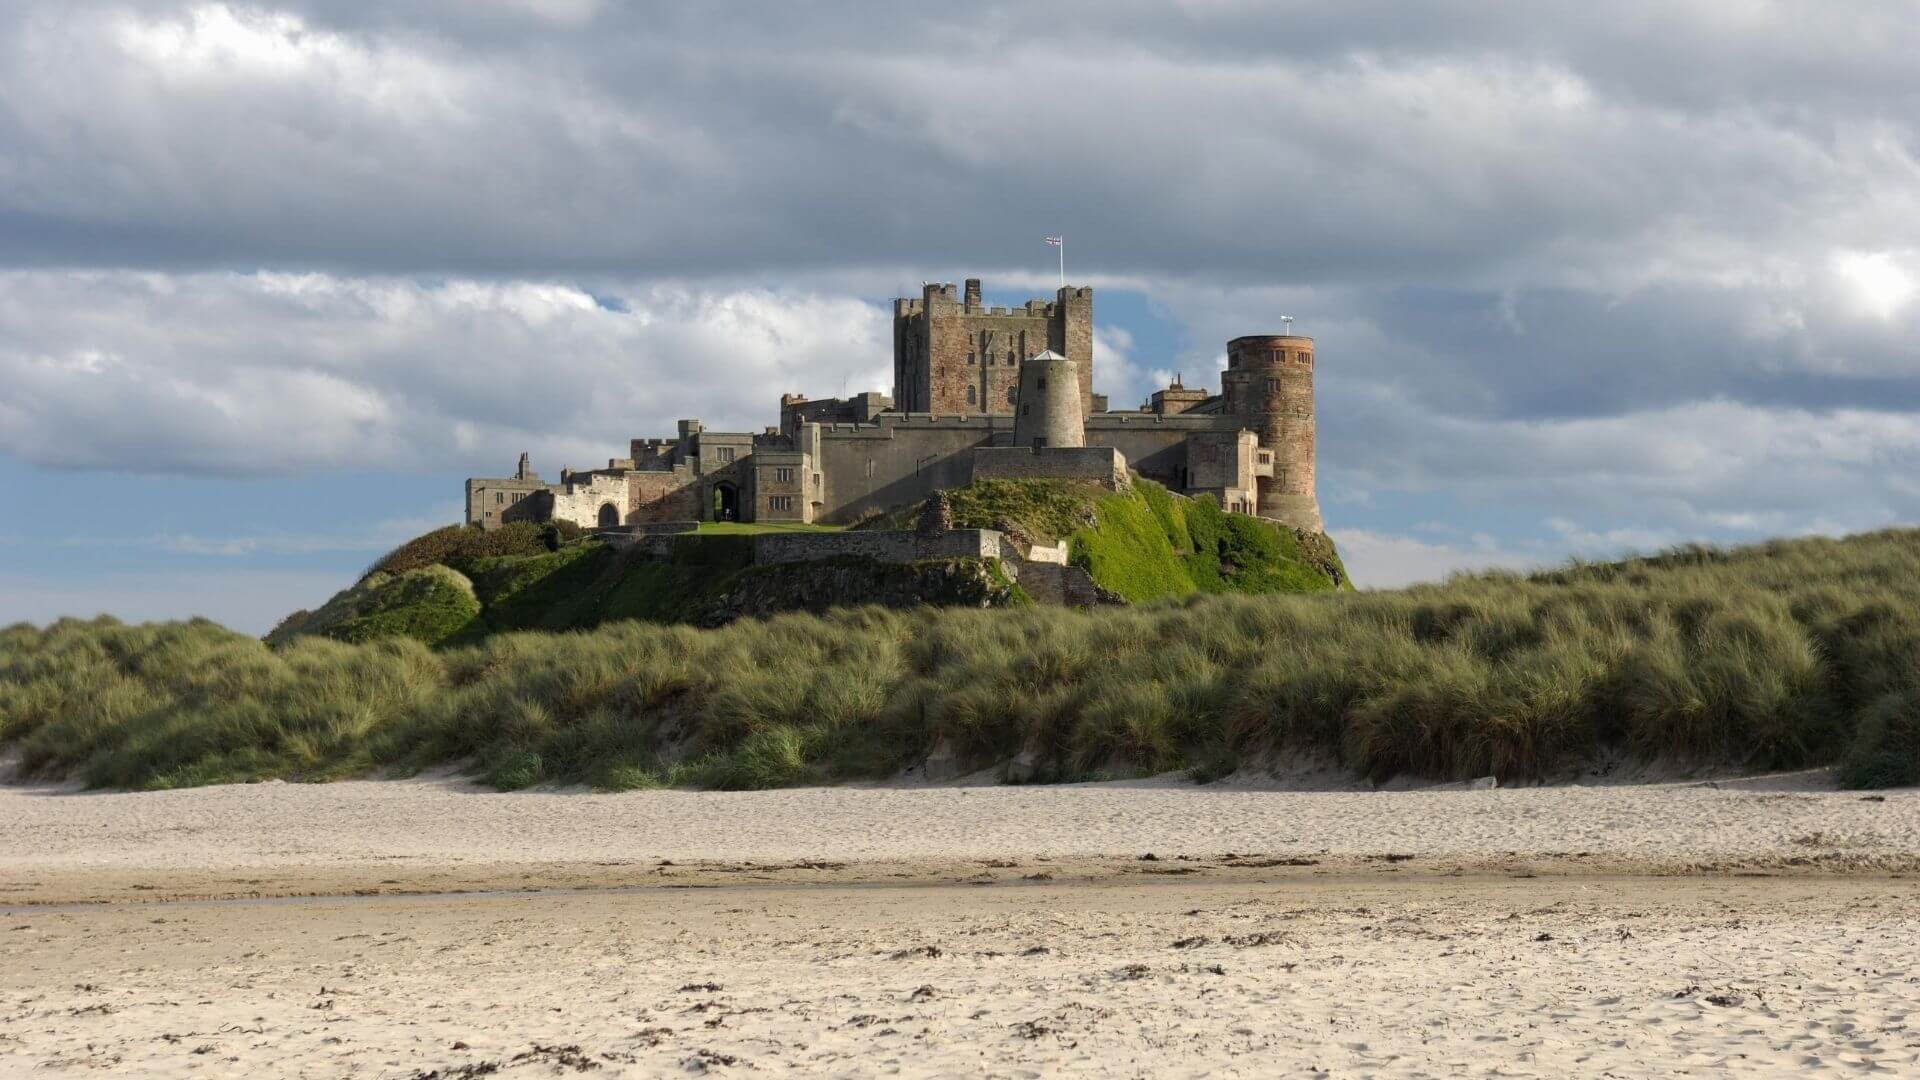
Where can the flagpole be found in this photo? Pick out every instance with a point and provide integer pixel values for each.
(1063, 260)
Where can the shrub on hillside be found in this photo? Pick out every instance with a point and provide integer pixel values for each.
(432, 604)
(459, 546)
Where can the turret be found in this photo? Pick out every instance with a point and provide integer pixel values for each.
(1269, 384)
(1047, 413)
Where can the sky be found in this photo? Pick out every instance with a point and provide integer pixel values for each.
(1584, 279)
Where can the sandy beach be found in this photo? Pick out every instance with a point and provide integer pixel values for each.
(427, 928)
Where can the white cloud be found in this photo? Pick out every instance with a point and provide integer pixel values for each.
(1379, 560)
(270, 373)
(1651, 285)
(1881, 285)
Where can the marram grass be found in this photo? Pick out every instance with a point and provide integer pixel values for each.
(1788, 654)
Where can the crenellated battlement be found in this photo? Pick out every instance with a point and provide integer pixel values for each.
(954, 353)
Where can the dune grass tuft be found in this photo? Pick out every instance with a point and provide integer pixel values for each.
(1782, 655)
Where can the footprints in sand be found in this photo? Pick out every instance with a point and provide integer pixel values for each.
(1456, 977)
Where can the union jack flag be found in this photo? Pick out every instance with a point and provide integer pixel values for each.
(1056, 241)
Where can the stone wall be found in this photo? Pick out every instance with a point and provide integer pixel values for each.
(1101, 464)
(797, 409)
(782, 486)
(669, 495)
(952, 354)
(887, 546)
(1269, 385)
(1049, 407)
(897, 461)
(1154, 446)
(1220, 459)
(492, 502)
(582, 502)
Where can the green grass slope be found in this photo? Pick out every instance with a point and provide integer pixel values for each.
(1147, 543)
(1782, 655)
(433, 604)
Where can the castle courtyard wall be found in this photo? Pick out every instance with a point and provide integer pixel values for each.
(1155, 446)
(580, 503)
(898, 461)
(664, 495)
(1099, 464)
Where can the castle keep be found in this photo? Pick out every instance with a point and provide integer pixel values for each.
(978, 392)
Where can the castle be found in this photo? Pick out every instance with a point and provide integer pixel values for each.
(979, 392)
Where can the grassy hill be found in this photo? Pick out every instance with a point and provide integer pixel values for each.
(1787, 654)
(1147, 543)
(456, 585)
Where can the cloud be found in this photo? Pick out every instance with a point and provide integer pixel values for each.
(1379, 560)
(1644, 284)
(1219, 142)
(270, 374)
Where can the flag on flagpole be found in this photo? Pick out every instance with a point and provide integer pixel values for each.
(1056, 241)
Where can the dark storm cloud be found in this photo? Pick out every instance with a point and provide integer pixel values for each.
(1283, 145)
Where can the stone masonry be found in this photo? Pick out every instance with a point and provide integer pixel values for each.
(978, 391)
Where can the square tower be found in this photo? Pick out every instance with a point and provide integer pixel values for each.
(952, 354)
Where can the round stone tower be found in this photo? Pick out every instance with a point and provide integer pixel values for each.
(1048, 409)
(1269, 383)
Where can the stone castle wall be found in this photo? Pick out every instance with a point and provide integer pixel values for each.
(667, 495)
(892, 546)
(1269, 386)
(1100, 464)
(952, 354)
(962, 371)
(583, 503)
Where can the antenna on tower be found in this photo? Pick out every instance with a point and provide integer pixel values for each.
(1288, 319)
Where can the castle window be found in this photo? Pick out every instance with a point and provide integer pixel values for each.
(725, 453)
(1010, 360)
(970, 395)
(1025, 409)
(1273, 385)
(783, 475)
(1040, 383)
(972, 358)
(498, 498)
(780, 502)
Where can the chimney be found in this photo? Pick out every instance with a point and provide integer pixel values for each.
(973, 293)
